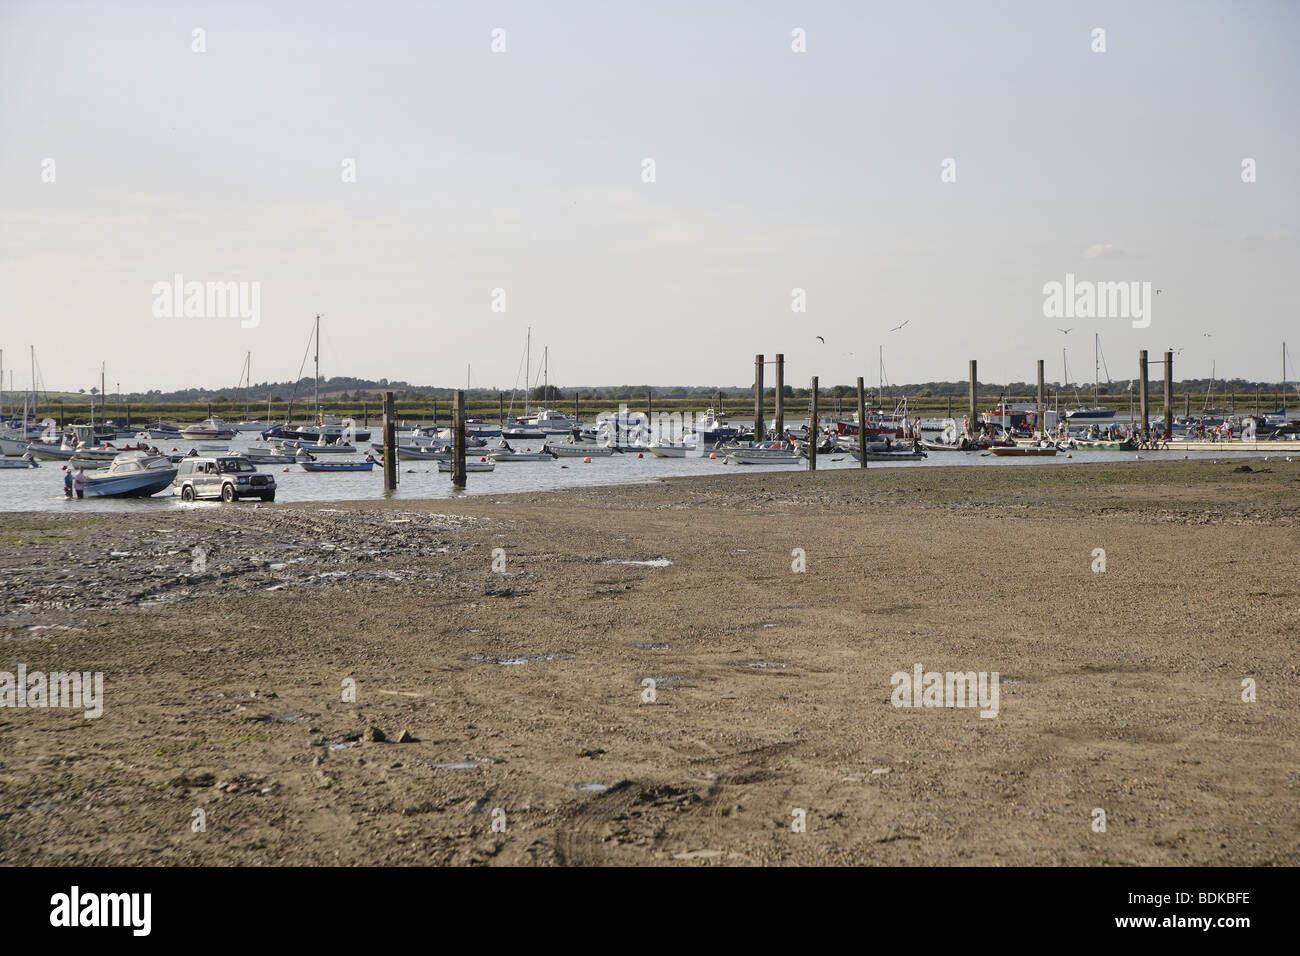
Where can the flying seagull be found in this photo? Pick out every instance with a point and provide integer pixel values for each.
(823, 341)
(897, 327)
(1066, 331)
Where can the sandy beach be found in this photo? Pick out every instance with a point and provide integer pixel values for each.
(230, 638)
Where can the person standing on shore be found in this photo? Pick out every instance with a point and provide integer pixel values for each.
(67, 483)
(80, 482)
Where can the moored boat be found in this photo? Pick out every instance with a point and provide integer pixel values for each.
(133, 474)
(337, 465)
(578, 450)
(469, 465)
(1023, 451)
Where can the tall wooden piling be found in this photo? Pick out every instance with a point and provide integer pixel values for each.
(1041, 415)
(1187, 404)
(501, 409)
(649, 405)
(575, 408)
(758, 398)
(813, 429)
(1169, 396)
(128, 416)
(780, 396)
(1142, 395)
(435, 414)
(974, 407)
(390, 444)
(458, 440)
(862, 423)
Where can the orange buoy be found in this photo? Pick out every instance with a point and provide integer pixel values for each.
(713, 454)
(639, 455)
(587, 461)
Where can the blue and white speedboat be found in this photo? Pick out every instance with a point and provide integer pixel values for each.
(133, 474)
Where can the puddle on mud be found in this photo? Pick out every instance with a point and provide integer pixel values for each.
(656, 563)
(515, 659)
(591, 787)
(453, 764)
(651, 646)
(1013, 680)
(761, 663)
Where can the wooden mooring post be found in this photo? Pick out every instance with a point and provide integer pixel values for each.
(1168, 430)
(812, 429)
(1142, 395)
(780, 396)
(390, 444)
(1041, 430)
(974, 408)
(862, 423)
(458, 440)
(758, 398)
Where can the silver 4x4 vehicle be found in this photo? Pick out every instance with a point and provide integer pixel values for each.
(226, 478)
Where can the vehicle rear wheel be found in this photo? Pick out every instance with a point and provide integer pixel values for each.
(187, 493)
(227, 493)
(269, 497)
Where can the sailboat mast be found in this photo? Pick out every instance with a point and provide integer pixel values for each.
(248, 383)
(35, 406)
(1283, 381)
(528, 365)
(318, 417)
(1096, 370)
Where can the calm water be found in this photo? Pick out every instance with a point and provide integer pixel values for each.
(41, 489)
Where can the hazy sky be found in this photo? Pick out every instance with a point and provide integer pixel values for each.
(522, 170)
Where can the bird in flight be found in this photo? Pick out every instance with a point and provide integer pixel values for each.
(1066, 331)
(823, 341)
(897, 327)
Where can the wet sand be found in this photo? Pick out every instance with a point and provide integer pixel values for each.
(224, 680)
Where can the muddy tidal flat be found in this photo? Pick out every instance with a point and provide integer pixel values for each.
(671, 673)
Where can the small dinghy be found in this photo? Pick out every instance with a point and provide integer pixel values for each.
(337, 465)
(1023, 451)
(522, 456)
(578, 450)
(469, 465)
(914, 454)
(25, 462)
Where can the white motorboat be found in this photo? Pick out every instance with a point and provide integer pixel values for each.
(290, 447)
(25, 462)
(132, 474)
(469, 465)
(208, 428)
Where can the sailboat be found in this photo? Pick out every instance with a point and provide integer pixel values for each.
(246, 380)
(327, 429)
(1096, 410)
